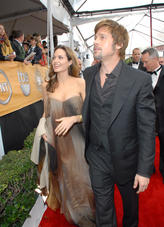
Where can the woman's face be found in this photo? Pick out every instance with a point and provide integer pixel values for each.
(60, 61)
(2, 30)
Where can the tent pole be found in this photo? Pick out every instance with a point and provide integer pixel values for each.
(151, 39)
(51, 32)
(48, 29)
(71, 36)
(50, 43)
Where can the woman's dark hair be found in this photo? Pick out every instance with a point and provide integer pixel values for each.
(73, 69)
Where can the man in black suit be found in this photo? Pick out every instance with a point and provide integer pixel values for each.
(17, 45)
(119, 119)
(150, 59)
(136, 60)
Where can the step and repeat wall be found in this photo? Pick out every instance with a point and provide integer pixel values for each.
(20, 85)
(21, 102)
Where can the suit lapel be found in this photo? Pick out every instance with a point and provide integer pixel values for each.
(160, 77)
(124, 86)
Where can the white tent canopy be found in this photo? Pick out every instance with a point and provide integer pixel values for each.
(30, 16)
(144, 19)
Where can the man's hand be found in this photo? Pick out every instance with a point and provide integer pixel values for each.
(141, 182)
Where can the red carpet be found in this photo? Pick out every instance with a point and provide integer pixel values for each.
(151, 210)
(54, 219)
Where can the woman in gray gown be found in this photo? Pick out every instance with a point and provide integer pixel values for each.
(63, 170)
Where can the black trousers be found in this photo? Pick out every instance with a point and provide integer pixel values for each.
(103, 181)
(161, 162)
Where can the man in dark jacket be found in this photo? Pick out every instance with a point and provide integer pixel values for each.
(17, 45)
(150, 59)
(119, 119)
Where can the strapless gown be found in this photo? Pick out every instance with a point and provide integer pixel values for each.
(69, 182)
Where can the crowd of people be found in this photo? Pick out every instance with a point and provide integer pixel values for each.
(98, 129)
(23, 49)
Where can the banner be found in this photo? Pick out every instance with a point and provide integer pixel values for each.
(2, 152)
(20, 85)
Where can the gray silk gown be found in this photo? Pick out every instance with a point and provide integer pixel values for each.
(69, 182)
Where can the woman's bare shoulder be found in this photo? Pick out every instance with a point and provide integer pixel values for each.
(80, 81)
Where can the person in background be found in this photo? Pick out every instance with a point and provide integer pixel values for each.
(119, 120)
(136, 60)
(27, 38)
(44, 43)
(36, 49)
(69, 183)
(26, 47)
(43, 61)
(6, 51)
(150, 60)
(47, 53)
(161, 60)
(17, 45)
(80, 67)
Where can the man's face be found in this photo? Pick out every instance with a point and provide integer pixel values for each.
(150, 63)
(161, 60)
(33, 42)
(104, 46)
(136, 55)
(22, 38)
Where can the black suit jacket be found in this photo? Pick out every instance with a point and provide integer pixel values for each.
(131, 129)
(159, 101)
(141, 67)
(37, 56)
(19, 50)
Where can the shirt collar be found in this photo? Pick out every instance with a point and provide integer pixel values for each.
(156, 71)
(117, 70)
(19, 42)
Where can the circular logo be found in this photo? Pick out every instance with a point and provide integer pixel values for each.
(24, 83)
(5, 89)
(38, 80)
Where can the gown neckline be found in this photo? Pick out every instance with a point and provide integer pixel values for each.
(75, 96)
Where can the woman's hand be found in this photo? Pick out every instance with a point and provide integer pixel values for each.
(44, 137)
(12, 56)
(65, 124)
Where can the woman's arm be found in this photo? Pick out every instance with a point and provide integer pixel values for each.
(66, 123)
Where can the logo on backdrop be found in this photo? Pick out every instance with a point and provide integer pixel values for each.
(23, 79)
(5, 88)
(38, 80)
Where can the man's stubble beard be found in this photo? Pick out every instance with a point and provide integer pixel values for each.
(100, 56)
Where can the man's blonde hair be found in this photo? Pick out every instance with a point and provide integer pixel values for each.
(118, 32)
